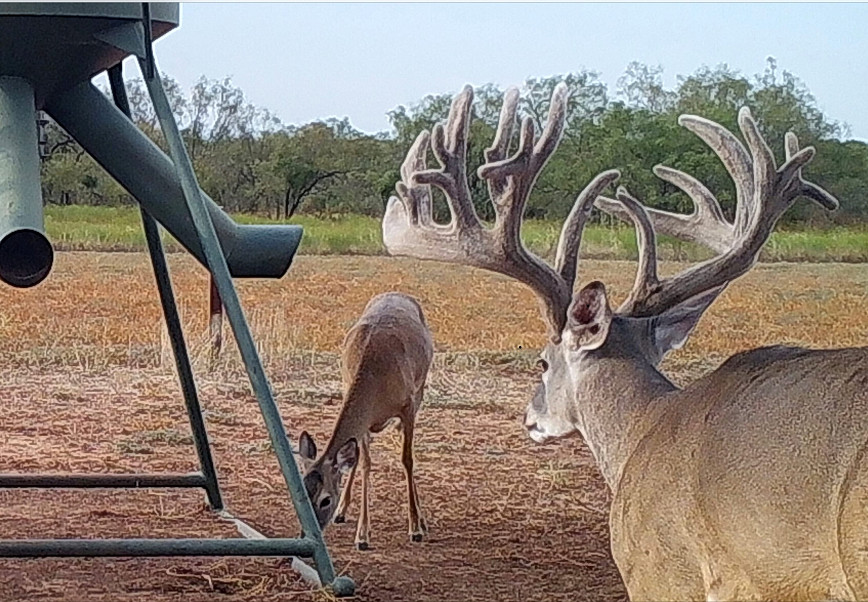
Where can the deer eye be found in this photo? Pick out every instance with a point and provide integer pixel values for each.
(325, 503)
(542, 365)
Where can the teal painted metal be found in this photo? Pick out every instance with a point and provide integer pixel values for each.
(254, 251)
(173, 323)
(65, 45)
(57, 45)
(64, 548)
(216, 263)
(101, 481)
(148, 33)
(25, 254)
(163, 14)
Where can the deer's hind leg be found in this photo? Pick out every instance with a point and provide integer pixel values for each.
(364, 524)
(418, 528)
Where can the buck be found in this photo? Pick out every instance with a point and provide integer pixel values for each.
(385, 361)
(749, 484)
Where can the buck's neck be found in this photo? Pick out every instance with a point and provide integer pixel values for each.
(619, 394)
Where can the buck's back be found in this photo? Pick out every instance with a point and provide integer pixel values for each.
(754, 460)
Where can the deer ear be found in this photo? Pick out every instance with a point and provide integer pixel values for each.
(306, 447)
(589, 317)
(673, 327)
(347, 456)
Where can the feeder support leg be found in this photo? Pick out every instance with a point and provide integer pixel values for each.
(217, 265)
(173, 324)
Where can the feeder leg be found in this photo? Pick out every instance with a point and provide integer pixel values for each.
(219, 270)
(173, 324)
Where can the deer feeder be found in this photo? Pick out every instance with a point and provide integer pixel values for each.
(48, 54)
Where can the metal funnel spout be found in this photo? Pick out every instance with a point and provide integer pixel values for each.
(26, 255)
(25, 258)
(251, 251)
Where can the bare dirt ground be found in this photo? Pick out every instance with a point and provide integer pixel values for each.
(85, 391)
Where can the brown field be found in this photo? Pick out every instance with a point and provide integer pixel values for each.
(85, 389)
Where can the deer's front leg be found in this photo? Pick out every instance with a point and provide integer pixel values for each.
(417, 522)
(346, 493)
(364, 524)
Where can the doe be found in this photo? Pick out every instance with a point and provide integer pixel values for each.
(385, 361)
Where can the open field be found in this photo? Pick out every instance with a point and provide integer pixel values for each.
(80, 228)
(85, 389)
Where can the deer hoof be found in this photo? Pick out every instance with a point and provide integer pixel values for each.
(339, 519)
(416, 537)
(362, 546)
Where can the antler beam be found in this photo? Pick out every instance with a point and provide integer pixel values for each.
(409, 227)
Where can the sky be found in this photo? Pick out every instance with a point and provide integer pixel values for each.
(310, 61)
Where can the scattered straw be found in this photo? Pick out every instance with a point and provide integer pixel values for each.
(84, 391)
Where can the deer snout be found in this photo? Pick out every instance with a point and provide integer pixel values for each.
(528, 421)
(542, 427)
(533, 430)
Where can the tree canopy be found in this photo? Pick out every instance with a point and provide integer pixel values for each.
(249, 161)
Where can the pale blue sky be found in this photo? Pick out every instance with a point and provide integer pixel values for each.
(306, 61)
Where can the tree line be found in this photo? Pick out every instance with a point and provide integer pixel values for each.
(250, 162)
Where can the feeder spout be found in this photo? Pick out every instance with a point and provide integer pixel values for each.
(26, 255)
(148, 174)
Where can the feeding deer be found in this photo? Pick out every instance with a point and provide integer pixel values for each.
(752, 482)
(385, 361)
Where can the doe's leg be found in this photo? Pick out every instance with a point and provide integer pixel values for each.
(364, 525)
(346, 493)
(418, 528)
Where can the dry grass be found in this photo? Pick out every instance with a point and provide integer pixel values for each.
(509, 520)
(101, 309)
(493, 537)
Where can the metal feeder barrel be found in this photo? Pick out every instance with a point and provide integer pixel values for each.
(48, 54)
(25, 253)
(62, 39)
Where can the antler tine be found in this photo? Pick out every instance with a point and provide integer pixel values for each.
(500, 146)
(554, 128)
(774, 191)
(417, 198)
(499, 149)
(567, 257)
(734, 157)
(707, 207)
(415, 159)
(705, 226)
(779, 187)
(449, 144)
(647, 280)
(809, 189)
(764, 168)
(458, 124)
(525, 165)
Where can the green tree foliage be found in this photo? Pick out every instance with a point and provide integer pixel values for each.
(249, 161)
